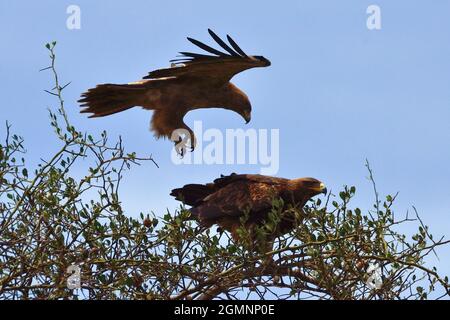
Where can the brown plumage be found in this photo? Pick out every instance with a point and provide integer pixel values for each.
(194, 81)
(229, 198)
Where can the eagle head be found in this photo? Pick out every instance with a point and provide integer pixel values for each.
(237, 101)
(309, 185)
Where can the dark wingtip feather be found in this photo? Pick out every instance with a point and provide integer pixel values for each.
(194, 55)
(222, 44)
(236, 47)
(206, 47)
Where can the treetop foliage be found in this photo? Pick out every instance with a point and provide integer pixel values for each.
(50, 220)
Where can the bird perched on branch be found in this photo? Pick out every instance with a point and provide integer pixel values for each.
(194, 81)
(229, 198)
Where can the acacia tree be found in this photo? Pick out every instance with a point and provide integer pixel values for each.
(51, 221)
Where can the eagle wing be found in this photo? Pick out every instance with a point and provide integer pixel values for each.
(231, 196)
(219, 67)
(235, 200)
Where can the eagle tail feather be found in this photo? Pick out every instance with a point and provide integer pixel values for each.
(106, 99)
(192, 194)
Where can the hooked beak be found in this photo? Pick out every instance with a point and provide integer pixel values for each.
(247, 117)
(323, 188)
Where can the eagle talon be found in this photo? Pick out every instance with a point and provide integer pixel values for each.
(180, 148)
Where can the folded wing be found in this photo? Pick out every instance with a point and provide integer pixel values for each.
(230, 196)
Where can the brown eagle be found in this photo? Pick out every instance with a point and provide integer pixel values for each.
(229, 198)
(194, 81)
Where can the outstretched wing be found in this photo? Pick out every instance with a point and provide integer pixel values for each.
(220, 66)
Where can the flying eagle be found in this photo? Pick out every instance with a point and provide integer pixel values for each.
(194, 81)
(225, 201)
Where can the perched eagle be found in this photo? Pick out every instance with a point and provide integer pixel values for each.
(229, 198)
(194, 81)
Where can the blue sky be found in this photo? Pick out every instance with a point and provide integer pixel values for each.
(338, 92)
